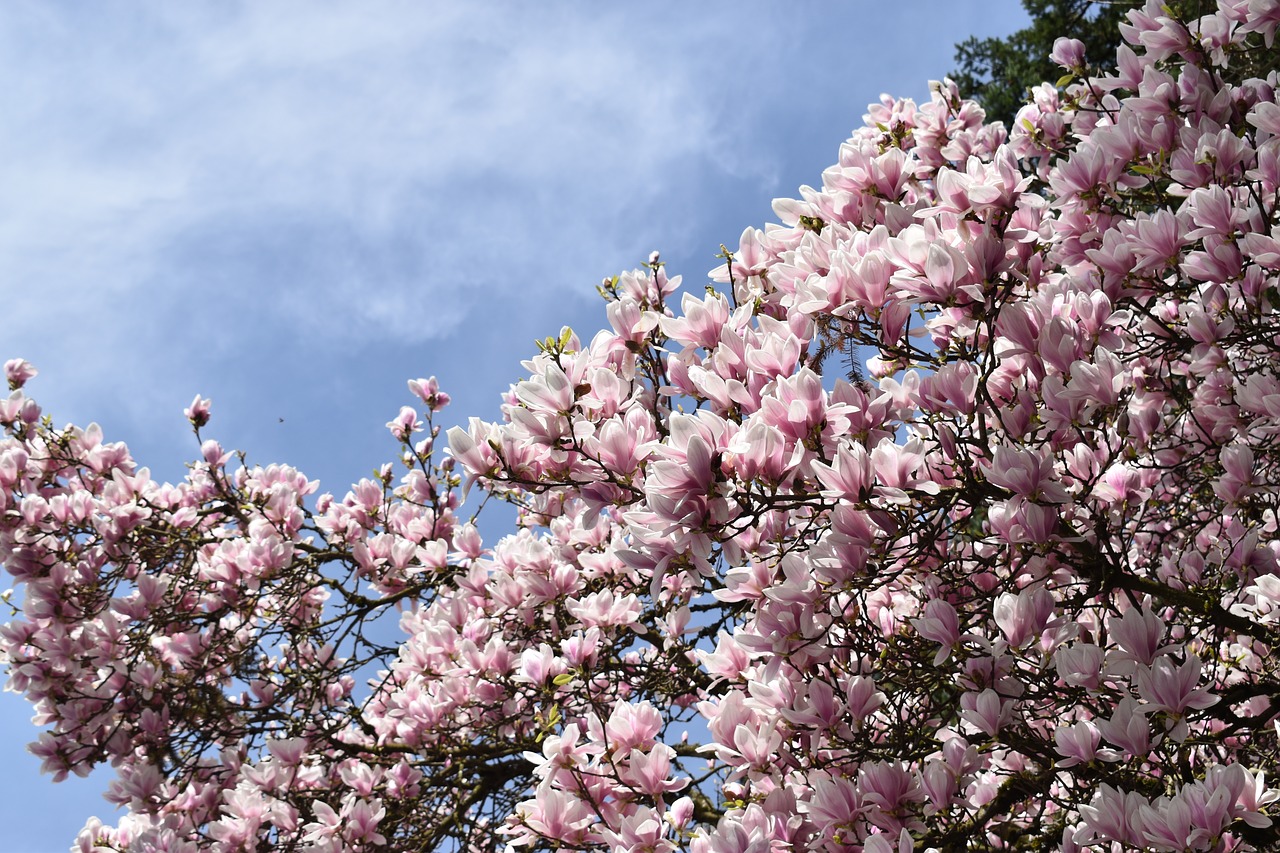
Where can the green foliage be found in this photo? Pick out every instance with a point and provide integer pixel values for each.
(999, 73)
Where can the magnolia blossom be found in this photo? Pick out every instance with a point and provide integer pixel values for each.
(1012, 586)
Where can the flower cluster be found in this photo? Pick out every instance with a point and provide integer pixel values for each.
(1014, 584)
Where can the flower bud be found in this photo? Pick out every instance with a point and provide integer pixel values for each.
(1069, 53)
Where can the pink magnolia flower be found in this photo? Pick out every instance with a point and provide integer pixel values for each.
(939, 624)
(198, 411)
(1078, 744)
(863, 698)
(17, 372)
(552, 815)
(1237, 480)
(1069, 53)
(1127, 728)
(326, 826)
(1173, 690)
(404, 424)
(1022, 616)
(641, 832)
(649, 772)
(835, 805)
(1026, 473)
(1113, 815)
(1192, 819)
(986, 711)
(1079, 664)
(1139, 633)
(880, 843)
(680, 812)
(428, 391)
(938, 782)
(887, 788)
(632, 726)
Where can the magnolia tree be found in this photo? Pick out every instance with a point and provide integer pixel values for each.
(1014, 586)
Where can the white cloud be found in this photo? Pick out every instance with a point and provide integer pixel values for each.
(239, 191)
(324, 169)
(184, 183)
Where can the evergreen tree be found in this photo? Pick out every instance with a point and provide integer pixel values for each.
(998, 73)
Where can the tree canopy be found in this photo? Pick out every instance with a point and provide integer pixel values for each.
(999, 73)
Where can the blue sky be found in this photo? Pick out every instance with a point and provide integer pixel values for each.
(292, 208)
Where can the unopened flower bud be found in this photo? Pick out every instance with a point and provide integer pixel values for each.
(17, 371)
(198, 411)
(1069, 53)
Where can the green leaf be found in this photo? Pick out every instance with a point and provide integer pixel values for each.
(562, 679)
(1065, 79)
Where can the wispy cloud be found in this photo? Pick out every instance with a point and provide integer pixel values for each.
(325, 170)
(198, 193)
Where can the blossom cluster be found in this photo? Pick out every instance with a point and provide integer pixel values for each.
(947, 521)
